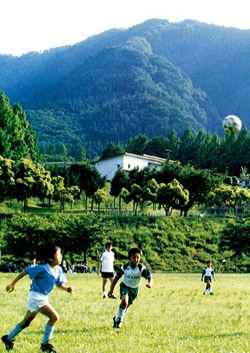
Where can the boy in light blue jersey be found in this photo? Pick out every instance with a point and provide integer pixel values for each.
(44, 278)
(133, 271)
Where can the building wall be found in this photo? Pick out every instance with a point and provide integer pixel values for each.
(108, 167)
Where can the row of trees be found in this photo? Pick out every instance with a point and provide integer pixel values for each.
(177, 187)
(172, 244)
(23, 179)
(203, 150)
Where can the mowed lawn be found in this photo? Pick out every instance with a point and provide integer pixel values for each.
(174, 316)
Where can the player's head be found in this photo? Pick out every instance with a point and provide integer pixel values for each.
(108, 245)
(209, 263)
(134, 256)
(48, 253)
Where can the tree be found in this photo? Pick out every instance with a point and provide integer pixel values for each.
(172, 195)
(81, 154)
(236, 237)
(7, 178)
(199, 182)
(135, 195)
(63, 152)
(100, 196)
(119, 181)
(230, 196)
(173, 144)
(187, 149)
(87, 178)
(150, 191)
(25, 173)
(137, 144)
(157, 146)
(62, 193)
(43, 187)
(17, 139)
(111, 150)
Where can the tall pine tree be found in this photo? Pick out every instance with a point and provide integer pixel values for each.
(17, 139)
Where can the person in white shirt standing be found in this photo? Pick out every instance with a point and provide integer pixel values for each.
(207, 274)
(106, 267)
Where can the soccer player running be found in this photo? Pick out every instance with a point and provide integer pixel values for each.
(132, 272)
(106, 264)
(207, 274)
(44, 278)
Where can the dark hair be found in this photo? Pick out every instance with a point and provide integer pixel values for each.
(134, 251)
(108, 244)
(46, 252)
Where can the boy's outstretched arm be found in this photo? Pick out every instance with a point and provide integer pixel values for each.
(150, 282)
(113, 285)
(11, 286)
(67, 289)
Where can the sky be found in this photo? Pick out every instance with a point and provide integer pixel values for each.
(37, 25)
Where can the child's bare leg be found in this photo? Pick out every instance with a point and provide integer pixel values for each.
(28, 318)
(53, 316)
(104, 283)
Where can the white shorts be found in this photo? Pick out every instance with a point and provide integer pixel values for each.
(37, 301)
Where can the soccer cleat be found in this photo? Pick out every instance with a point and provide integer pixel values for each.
(8, 343)
(211, 293)
(104, 296)
(47, 347)
(112, 296)
(117, 323)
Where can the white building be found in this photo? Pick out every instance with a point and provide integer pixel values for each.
(127, 161)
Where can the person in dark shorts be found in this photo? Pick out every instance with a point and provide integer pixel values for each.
(207, 275)
(106, 267)
(132, 271)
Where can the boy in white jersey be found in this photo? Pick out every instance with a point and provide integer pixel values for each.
(44, 278)
(207, 274)
(106, 264)
(132, 272)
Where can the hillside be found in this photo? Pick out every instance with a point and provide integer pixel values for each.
(151, 78)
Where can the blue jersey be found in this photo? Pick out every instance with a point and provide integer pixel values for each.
(44, 278)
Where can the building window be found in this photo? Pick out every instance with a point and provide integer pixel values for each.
(128, 166)
(118, 166)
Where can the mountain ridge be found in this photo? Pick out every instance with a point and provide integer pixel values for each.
(212, 59)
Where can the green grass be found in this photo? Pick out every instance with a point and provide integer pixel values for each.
(172, 317)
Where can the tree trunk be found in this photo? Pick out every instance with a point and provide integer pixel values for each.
(25, 204)
(120, 203)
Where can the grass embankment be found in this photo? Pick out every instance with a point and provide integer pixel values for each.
(172, 317)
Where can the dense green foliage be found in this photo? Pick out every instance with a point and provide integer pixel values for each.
(169, 244)
(204, 151)
(17, 139)
(150, 79)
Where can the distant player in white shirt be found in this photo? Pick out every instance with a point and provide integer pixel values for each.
(207, 274)
(133, 271)
(106, 267)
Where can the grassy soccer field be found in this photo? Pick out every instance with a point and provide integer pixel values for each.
(174, 316)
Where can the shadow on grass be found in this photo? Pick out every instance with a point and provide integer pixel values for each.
(84, 330)
(219, 335)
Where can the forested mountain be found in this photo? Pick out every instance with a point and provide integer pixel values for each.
(151, 78)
